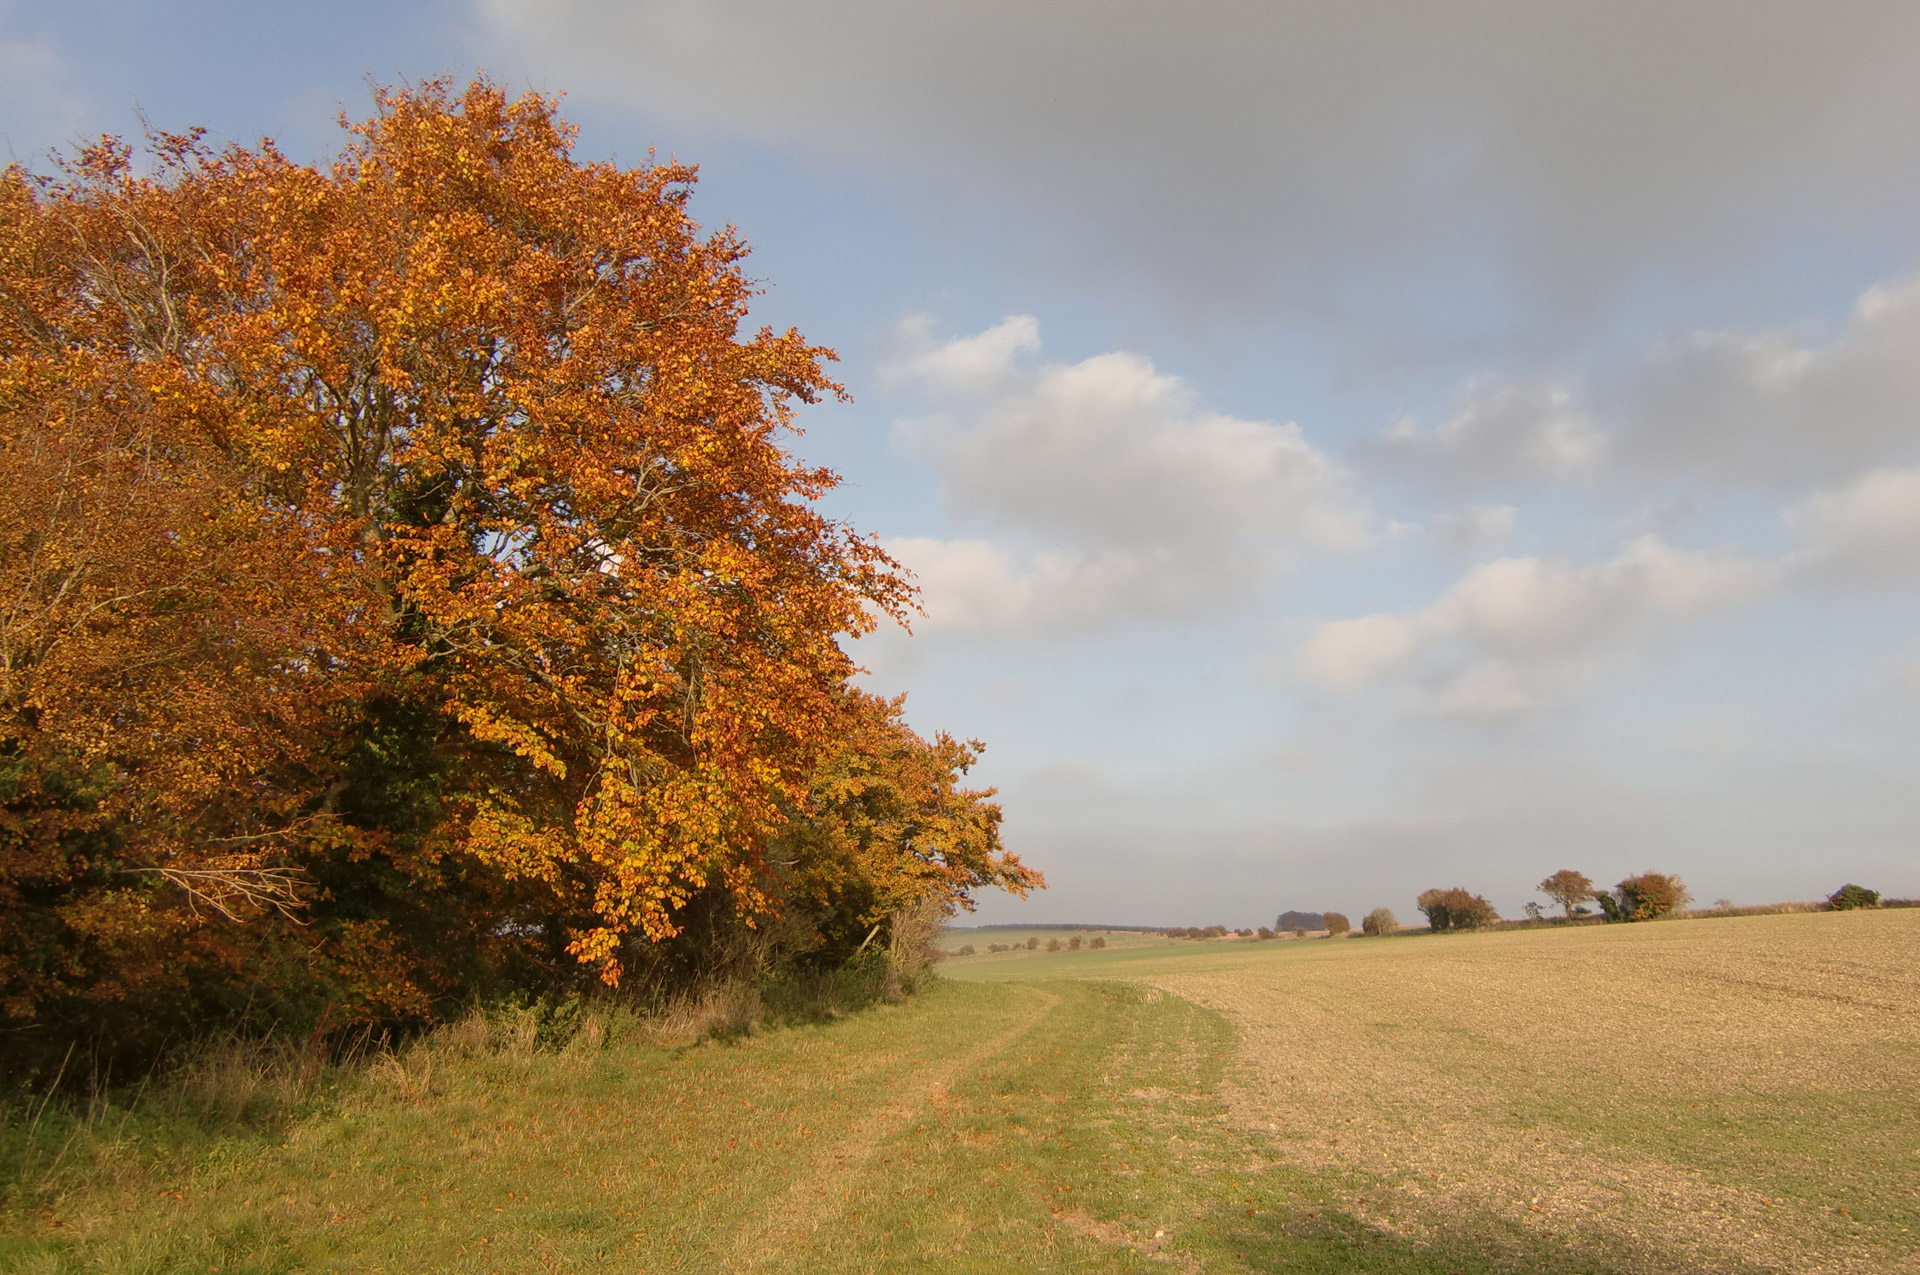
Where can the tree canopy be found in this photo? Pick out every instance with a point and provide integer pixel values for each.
(404, 581)
(1568, 888)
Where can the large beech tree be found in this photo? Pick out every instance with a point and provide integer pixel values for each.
(417, 529)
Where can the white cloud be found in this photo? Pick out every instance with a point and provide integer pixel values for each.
(1348, 654)
(1110, 452)
(1499, 430)
(1772, 406)
(977, 588)
(1869, 527)
(1517, 631)
(966, 365)
(1112, 490)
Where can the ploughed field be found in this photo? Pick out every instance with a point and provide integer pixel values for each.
(1727, 1094)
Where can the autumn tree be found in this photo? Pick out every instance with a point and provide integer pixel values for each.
(1380, 922)
(1645, 897)
(886, 822)
(403, 571)
(1456, 909)
(1568, 888)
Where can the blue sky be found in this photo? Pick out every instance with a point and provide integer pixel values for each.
(1346, 448)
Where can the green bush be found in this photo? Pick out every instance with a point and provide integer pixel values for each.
(1850, 896)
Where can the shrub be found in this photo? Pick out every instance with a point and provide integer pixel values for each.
(1337, 925)
(1053, 945)
(1455, 909)
(966, 950)
(996, 947)
(1032, 943)
(1850, 896)
(1073, 944)
(1215, 932)
(1642, 898)
(1300, 921)
(1264, 932)
(1380, 922)
(1097, 943)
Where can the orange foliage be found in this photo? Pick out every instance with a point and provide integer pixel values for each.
(886, 823)
(421, 528)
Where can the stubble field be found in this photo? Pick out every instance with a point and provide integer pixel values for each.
(1731, 1094)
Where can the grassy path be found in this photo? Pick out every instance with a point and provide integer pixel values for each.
(836, 1180)
(1062, 1126)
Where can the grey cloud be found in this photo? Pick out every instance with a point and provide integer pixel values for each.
(1868, 529)
(1498, 431)
(1776, 407)
(1370, 156)
(1472, 530)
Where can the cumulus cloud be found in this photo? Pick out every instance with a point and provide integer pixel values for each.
(1870, 527)
(966, 365)
(1117, 491)
(978, 588)
(1499, 431)
(1367, 156)
(1517, 631)
(1111, 452)
(1772, 406)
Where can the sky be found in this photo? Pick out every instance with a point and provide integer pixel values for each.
(1344, 448)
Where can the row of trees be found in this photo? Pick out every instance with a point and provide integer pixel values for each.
(406, 591)
(1638, 898)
